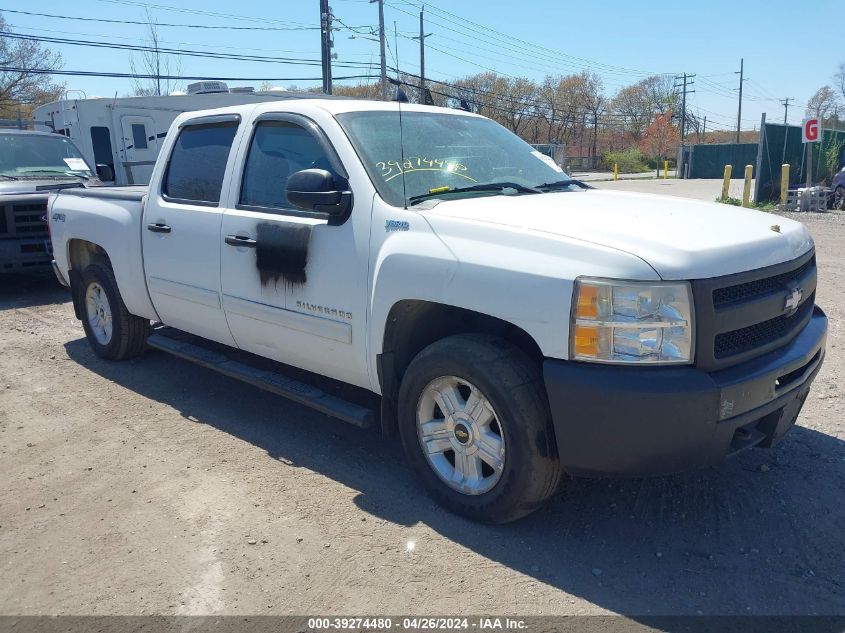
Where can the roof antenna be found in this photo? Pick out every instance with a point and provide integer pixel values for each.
(402, 151)
(401, 98)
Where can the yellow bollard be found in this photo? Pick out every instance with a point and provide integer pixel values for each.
(784, 183)
(665, 169)
(746, 187)
(616, 171)
(726, 184)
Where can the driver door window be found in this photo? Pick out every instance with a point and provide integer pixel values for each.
(277, 150)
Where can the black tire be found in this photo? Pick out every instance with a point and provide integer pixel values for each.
(128, 332)
(513, 385)
(837, 200)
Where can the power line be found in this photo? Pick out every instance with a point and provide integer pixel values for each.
(178, 51)
(229, 16)
(93, 73)
(77, 34)
(530, 46)
(502, 43)
(165, 24)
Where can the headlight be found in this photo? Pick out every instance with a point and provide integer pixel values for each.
(631, 322)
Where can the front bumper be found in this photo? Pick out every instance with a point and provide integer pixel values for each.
(615, 420)
(24, 253)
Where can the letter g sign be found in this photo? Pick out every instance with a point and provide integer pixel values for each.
(810, 130)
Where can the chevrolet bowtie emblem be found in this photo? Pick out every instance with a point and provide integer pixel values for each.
(793, 300)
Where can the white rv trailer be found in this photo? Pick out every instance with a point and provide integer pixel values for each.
(126, 133)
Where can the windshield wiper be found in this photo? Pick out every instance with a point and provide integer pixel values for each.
(562, 184)
(9, 177)
(56, 172)
(490, 186)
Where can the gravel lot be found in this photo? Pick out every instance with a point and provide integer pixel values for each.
(155, 486)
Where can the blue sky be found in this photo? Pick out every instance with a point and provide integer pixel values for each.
(787, 52)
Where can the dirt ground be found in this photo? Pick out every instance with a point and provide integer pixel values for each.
(155, 486)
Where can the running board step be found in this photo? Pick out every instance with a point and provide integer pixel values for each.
(190, 348)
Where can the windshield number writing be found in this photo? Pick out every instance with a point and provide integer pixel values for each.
(390, 169)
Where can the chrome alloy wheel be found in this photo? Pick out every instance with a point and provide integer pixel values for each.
(460, 435)
(98, 312)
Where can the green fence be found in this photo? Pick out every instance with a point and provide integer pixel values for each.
(708, 161)
(781, 144)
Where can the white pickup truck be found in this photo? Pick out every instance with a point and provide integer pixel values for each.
(511, 323)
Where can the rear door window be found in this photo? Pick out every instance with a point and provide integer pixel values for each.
(198, 163)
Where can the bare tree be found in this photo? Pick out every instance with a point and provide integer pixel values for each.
(661, 93)
(595, 104)
(563, 100)
(823, 104)
(27, 83)
(160, 67)
(633, 105)
(840, 79)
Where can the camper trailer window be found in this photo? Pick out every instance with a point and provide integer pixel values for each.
(139, 136)
(198, 163)
(101, 142)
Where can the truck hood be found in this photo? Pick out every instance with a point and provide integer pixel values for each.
(678, 237)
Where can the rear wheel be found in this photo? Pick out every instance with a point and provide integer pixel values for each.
(112, 332)
(838, 202)
(476, 427)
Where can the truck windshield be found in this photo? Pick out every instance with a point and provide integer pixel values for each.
(443, 152)
(40, 156)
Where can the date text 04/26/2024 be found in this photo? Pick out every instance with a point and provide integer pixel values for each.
(416, 624)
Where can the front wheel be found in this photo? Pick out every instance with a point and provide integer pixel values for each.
(112, 331)
(475, 425)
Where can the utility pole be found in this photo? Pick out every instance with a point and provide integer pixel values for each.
(421, 38)
(704, 128)
(326, 45)
(381, 46)
(682, 127)
(785, 104)
(396, 49)
(739, 111)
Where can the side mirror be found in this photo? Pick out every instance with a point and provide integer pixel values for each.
(105, 173)
(316, 190)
